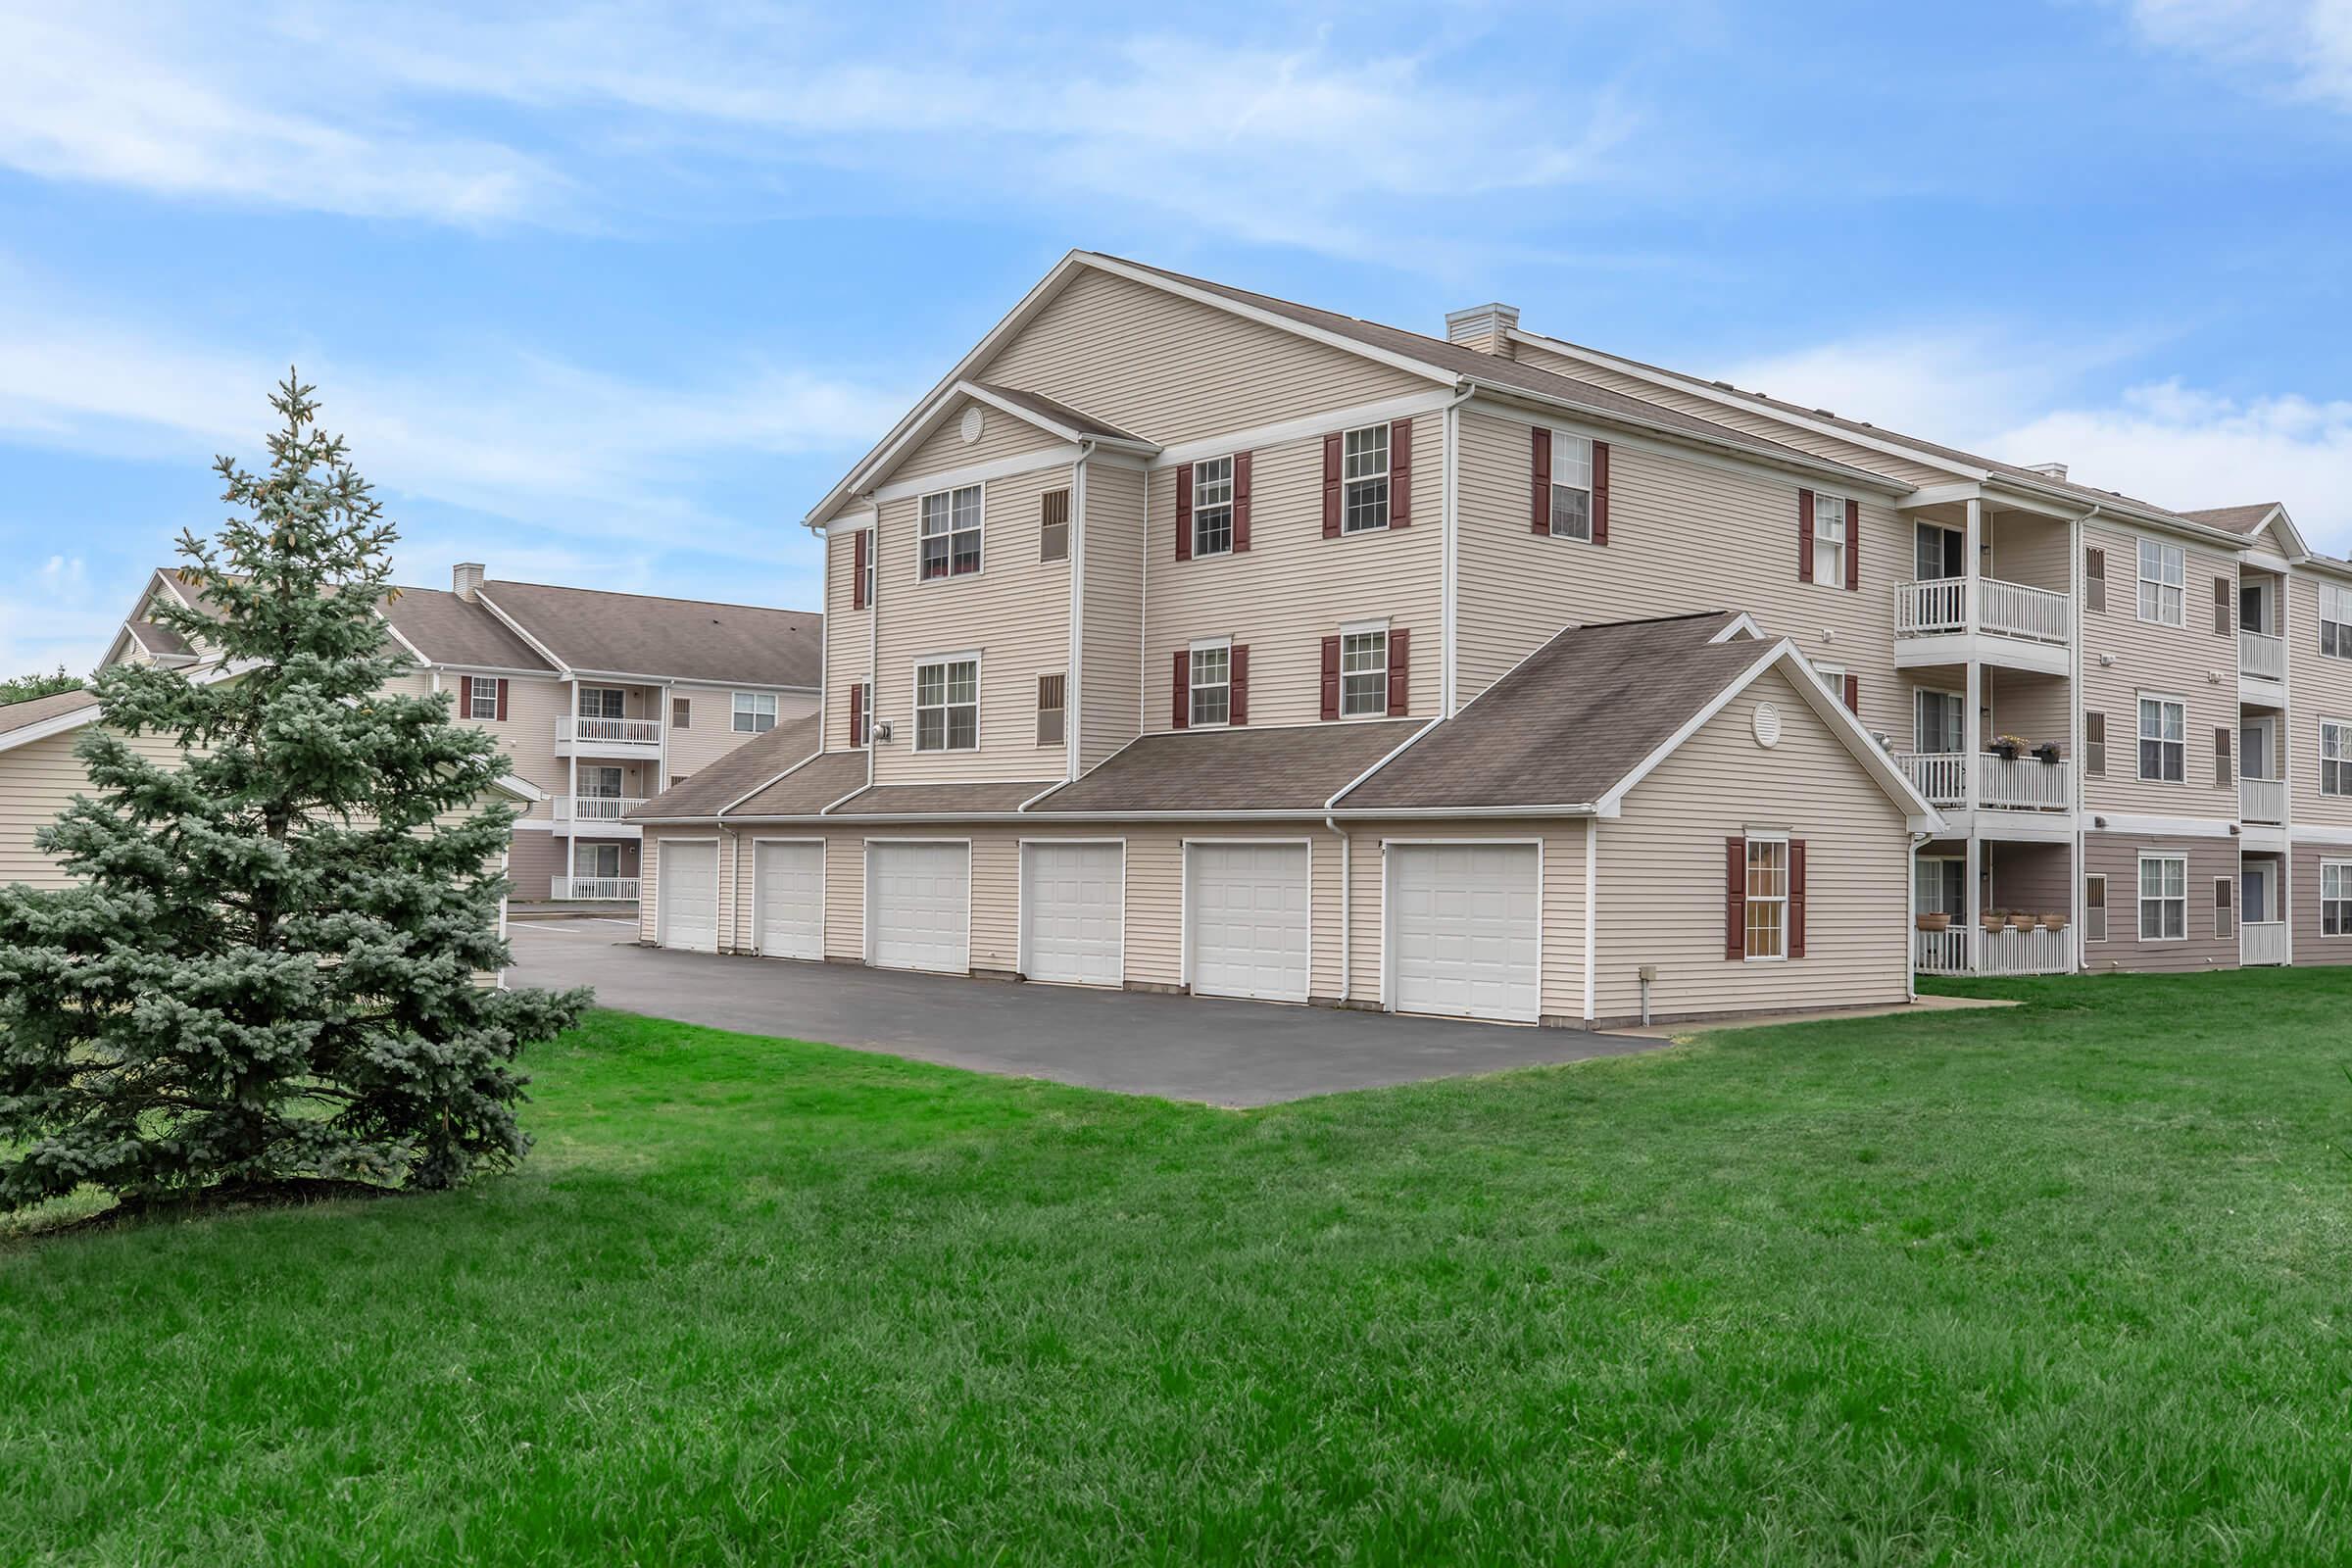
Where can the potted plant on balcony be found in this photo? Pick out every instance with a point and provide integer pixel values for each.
(2053, 920)
(2046, 753)
(2007, 747)
(1933, 920)
(2021, 919)
(1993, 919)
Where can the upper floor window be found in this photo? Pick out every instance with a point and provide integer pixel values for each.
(2162, 740)
(1053, 525)
(1212, 506)
(2335, 757)
(1363, 673)
(755, 712)
(1053, 701)
(2336, 620)
(861, 714)
(2163, 897)
(481, 697)
(950, 533)
(681, 712)
(1364, 473)
(1829, 538)
(946, 705)
(1767, 896)
(1211, 684)
(1571, 487)
(2163, 582)
(602, 702)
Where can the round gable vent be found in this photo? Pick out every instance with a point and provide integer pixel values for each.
(971, 428)
(1768, 725)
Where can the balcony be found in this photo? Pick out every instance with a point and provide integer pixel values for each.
(2005, 784)
(608, 737)
(2260, 656)
(2012, 950)
(1938, 608)
(2262, 800)
(594, 889)
(594, 807)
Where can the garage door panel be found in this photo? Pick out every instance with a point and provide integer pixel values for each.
(689, 894)
(1465, 930)
(1073, 913)
(921, 902)
(1249, 918)
(792, 900)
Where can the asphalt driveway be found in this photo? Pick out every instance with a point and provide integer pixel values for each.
(1180, 1048)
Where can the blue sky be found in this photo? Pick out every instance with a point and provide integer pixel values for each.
(609, 295)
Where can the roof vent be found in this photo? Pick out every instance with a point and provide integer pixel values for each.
(2048, 470)
(466, 579)
(1484, 327)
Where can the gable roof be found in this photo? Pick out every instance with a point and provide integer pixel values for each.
(18, 717)
(2237, 520)
(1053, 412)
(592, 631)
(748, 768)
(1294, 767)
(444, 628)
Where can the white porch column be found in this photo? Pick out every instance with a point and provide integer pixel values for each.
(1972, 736)
(571, 814)
(1970, 945)
(1972, 536)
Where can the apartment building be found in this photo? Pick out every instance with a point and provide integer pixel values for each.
(601, 701)
(1184, 638)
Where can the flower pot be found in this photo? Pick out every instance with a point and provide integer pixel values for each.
(2004, 750)
(1994, 920)
(2021, 921)
(2053, 923)
(1933, 922)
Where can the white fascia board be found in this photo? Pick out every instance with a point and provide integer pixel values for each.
(1742, 624)
(522, 789)
(57, 724)
(2170, 827)
(1517, 402)
(2052, 501)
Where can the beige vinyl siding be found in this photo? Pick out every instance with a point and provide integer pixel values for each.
(2320, 688)
(2035, 708)
(2116, 856)
(1562, 844)
(527, 735)
(1110, 672)
(1014, 613)
(712, 734)
(1748, 421)
(848, 633)
(1169, 369)
(1291, 588)
(1663, 871)
(1684, 536)
(2038, 877)
(2303, 899)
(1002, 436)
(37, 781)
(535, 857)
(2181, 661)
(2035, 550)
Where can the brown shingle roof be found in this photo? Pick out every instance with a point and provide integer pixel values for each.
(2237, 520)
(807, 789)
(679, 639)
(1292, 767)
(742, 770)
(940, 800)
(448, 630)
(33, 711)
(1574, 719)
(1059, 413)
(159, 640)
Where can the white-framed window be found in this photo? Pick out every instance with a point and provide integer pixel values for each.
(1940, 885)
(481, 697)
(2224, 908)
(1832, 676)
(2335, 897)
(1767, 896)
(1829, 539)
(603, 701)
(2094, 908)
(2162, 583)
(1052, 703)
(596, 860)
(861, 715)
(755, 712)
(681, 712)
(947, 705)
(1211, 699)
(1364, 479)
(1363, 671)
(2162, 740)
(2336, 620)
(1938, 722)
(2335, 757)
(865, 591)
(600, 783)
(951, 534)
(1212, 506)
(1571, 487)
(2163, 897)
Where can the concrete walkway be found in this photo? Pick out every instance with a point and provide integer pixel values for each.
(1178, 1048)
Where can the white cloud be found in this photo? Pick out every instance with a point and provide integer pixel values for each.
(2303, 46)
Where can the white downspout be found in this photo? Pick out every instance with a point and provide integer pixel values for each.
(1072, 706)
(1591, 914)
(1450, 572)
(1346, 909)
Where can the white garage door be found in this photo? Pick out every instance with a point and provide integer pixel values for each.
(920, 905)
(792, 900)
(1071, 912)
(1249, 911)
(689, 895)
(1465, 937)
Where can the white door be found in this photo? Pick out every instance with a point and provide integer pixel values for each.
(689, 895)
(792, 900)
(1073, 925)
(920, 905)
(1249, 911)
(1465, 935)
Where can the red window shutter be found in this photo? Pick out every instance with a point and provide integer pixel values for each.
(1797, 898)
(1184, 511)
(502, 699)
(1853, 695)
(1238, 704)
(1601, 492)
(1331, 678)
(1854, 544)
(1540, 517)
(866, 542)
(1240, 503)
(1182, 713)
(1400, 672)
(1804, 536)
(1735, 896)
(856, 711)
(1331, 486)
(1400, 473)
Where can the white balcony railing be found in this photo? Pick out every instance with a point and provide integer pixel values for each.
(2262, 655)
(571, 729)
(2261, 800)
(594, 807)
(598, 889)
(2019, 784)
(2010, 950)
(1940, 605)
(2262, 942)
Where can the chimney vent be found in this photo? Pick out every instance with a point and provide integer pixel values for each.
(2048, 470)
(466, 579)
(1484, 327)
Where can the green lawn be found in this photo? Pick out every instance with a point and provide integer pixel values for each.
(2069, 1282)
